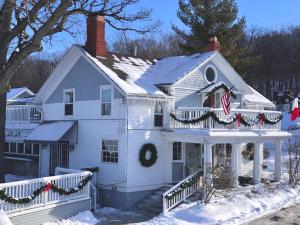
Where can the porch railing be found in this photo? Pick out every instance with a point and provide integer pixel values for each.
(209, 123)
(181, 191)
(24, 114)
(26, 188)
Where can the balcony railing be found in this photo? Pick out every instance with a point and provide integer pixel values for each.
(24, 114)
(190, 118)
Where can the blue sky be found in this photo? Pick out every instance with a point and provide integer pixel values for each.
(269, 14)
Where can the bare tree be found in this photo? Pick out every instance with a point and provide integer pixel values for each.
(293, 147)
(25, 24)
(151, 47)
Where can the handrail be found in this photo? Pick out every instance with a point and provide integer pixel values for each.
(182, 190)
(25, 188)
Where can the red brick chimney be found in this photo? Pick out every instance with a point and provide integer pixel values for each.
(212, 45)
(95, 43)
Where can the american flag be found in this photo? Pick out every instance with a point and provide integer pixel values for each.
(225, 100)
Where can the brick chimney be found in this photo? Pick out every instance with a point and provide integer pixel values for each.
(95, 43)
(212, 45)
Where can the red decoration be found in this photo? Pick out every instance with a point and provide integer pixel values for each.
(48, 187)
(262, 119)
(238, 119)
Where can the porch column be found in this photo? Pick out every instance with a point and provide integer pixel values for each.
(207, 158)
(258, 148)
(235, 164)
(278, 160)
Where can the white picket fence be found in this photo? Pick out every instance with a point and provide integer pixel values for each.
(25, 188)
(169, 202)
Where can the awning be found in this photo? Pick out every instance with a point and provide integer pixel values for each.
(50, 132)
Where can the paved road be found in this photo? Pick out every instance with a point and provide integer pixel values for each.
(288, 216)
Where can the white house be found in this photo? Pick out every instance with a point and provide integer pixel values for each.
(145, 124)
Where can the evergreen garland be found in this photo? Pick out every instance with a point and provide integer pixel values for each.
(183, 186)
(224, 87)
(44, 188)
(261, 117)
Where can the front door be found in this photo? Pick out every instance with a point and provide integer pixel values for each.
(59, 155)
(177, 163)
(194, 159)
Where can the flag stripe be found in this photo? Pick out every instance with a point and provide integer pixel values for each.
(225, 100)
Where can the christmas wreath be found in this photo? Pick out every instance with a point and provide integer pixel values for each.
(153, 157)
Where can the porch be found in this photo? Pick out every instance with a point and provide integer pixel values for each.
(24, 114)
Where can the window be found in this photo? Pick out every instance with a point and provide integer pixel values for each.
(110, 151)
(28, 148)
(6, 146)
(36, 149)
(69, 101)
(21, 148)
(13, 147)
(106, 100)
(158, 115)
(177, 151)
(210, 74)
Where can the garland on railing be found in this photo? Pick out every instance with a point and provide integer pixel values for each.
(44, 188)
(188, 183)
(238, 118)
(224, 87)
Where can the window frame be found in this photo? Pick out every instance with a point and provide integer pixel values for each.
(110, 151)
(72, 90)
(160, 114)
(107, 87)
(215, 71)
(181, 152)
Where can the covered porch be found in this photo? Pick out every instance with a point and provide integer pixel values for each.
(198, 150)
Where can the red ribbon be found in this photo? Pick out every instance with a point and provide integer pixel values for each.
(48, 187)
(238, 119)
(261, 118)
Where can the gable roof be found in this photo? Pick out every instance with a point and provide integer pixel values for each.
(16, 92)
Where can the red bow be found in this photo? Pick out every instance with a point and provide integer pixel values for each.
(238, 119)
(48, 187)
(261, 118)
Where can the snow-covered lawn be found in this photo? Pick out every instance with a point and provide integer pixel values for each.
(82, 218)
(241, 205)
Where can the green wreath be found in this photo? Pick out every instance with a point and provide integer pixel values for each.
(142, 156)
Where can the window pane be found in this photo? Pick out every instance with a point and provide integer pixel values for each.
(106, 109)
(68, 109)
(13, 147)
(69, 97)
(36, 148)
(6, 146)
(110, 151)
(106, 95)
(28, 149)
(158, 120)
(21, 148)
(177, 151)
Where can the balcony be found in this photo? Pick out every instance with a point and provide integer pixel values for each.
(215, 119)
(24, 114)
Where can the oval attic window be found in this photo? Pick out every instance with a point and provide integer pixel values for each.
(210, 74)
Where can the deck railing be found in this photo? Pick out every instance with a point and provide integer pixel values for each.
(24, 114)
(210, 123)
(181, 191)
(25, 188)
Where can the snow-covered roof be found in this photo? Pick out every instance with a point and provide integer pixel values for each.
(15, 92)
(53, 131)
(137, 76)
(257, 98)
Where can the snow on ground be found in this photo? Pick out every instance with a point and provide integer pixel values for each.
(242, 205)
(4, 219)
(82, 218)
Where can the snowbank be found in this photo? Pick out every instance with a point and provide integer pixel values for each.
(240, 207)
(4, 219)
(82, 218)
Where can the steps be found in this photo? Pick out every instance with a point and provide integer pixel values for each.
(152, 205)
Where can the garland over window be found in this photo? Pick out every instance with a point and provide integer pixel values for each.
(44, 188)
(221, 86)
(238, 117)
